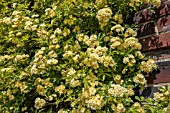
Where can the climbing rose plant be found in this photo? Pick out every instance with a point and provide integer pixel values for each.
(74, 56)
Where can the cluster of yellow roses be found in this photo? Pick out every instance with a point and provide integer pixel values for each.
(135, 3)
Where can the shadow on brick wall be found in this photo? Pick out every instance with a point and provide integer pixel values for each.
(156, 42)
(149, 91)
(151, 43)
(164, 9)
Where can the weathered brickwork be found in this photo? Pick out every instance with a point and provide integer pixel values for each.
(154, 35)
(155, 42)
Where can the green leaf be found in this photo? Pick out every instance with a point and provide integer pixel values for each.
(26, 37)
(103, 78)
(137, 98)
(142, 98)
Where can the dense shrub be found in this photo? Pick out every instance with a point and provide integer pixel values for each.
(77, 56)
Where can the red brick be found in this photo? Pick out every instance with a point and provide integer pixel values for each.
(162, 77)
(162, 59)
(164, 9)
(155, 42)
(163, 1)
(163, 24)
(146, 29)
(143, 16)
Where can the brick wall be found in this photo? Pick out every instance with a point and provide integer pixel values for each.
(154, 35)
